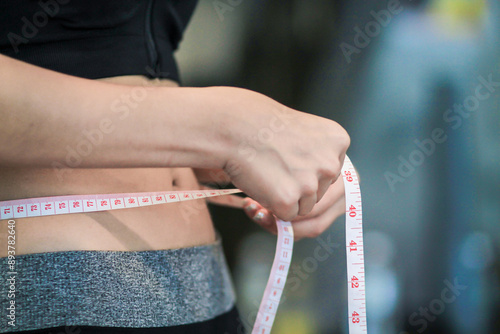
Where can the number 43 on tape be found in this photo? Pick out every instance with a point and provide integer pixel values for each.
(58, 205)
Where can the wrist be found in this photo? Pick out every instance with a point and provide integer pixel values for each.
(202, 135)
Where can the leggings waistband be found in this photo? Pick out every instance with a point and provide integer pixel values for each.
(118, 289)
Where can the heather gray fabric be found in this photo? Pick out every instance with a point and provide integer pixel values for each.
(118, 289)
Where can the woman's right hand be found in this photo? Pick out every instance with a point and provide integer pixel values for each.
(282, 158)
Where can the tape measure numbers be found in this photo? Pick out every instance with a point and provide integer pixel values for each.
(59, 205)
(354, 250)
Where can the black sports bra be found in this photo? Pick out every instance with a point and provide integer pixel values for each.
(96, 38)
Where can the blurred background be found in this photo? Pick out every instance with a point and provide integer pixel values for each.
(416, 84)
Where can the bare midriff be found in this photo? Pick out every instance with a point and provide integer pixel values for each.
(174, 225)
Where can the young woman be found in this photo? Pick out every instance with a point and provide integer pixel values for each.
(90, 103)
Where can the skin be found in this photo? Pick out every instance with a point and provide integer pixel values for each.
(331, 206)
(167, 141)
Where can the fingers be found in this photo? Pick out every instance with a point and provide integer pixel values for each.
(329, 208)
(323, 187)
(288, 172)
(260, 215)
(315, 226)
(334, 194)
(309, 194)
(325, 183)
(324, 213)
(315, 188)
(309, 227)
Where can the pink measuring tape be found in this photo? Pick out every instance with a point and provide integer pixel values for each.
(58, 205)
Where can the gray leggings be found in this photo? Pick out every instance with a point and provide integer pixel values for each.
(119, 289)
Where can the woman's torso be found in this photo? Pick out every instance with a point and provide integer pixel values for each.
(168, 226)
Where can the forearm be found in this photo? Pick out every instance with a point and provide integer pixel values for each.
(284, 159)
(48, 117)
(214, 176)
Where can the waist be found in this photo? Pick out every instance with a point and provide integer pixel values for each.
(120, 289)
(167, 226)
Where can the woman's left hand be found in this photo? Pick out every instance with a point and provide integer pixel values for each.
(329, 208)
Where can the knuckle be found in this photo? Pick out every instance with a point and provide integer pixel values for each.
(304, 211)
(330, 172)
(287, 201)
(310, 188)
(331, 169)
(346, 140)
(336, 166)
(343, 138)
(339, 135)
(286, 215)
(287, 205)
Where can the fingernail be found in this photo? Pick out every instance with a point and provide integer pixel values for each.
(251, 207)
(259, 216)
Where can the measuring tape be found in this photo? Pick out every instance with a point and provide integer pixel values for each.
(59, 205)
(356, 300)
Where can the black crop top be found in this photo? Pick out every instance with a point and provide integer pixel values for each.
(96, 38)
